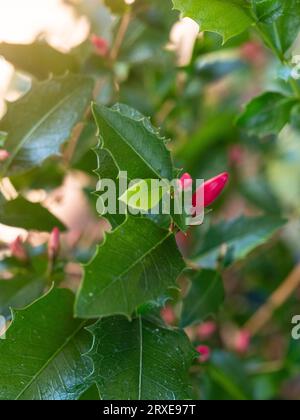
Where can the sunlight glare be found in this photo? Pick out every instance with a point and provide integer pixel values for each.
(21, 21)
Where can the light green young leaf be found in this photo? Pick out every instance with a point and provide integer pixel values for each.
(144, 195)
(233, 240)
(41, 356)
(140, 360)
(225, 17)
(46, 116)
(204, 298)
(137, 263)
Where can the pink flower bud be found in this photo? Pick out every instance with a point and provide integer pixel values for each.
(242, 341)
(253, 53)
(206, 330)
(17, 250)
(54, 243)
(168, 315)
(4, 154)
(184, 242)
(100, 44)
(185, 181)
(211, 190)
(204, 352)
(235, 155)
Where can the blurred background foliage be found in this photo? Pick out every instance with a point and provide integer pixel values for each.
(194, 88)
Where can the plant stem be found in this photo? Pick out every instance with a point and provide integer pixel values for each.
(278, 298)
(120, 36)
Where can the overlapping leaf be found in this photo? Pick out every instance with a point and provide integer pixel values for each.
(140, 360)
(46, 117)
(107, 169)
(137, 263)
(131, 144)
(280, 21)
(39, 59)
(134, 144)
(41, 357)
(24, 214)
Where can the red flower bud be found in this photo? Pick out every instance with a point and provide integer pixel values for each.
(253, 53)
(184, 242)
(211, 190)
(236, 155)
(204, 352)
(185, 181)
(17, 250)
(54, 243)
(168, 315)
(242, 341)
(206, 330)
(100, 44)
(4, 154)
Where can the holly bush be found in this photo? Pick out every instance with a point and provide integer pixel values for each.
(117, 306)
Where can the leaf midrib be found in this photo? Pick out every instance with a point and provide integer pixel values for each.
(58, 351)
(142, 257)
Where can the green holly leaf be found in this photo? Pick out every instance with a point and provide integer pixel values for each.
(41, 356)
(140, 360)
(133, 143)
(229, 373)
(268, 11)
(233, 240)
(107, 169)
(84, 157)
(19, 292)
(46, 116)
(225, 17)
(39, 59)
(137, 263)
(280, 21)
(204, 298)
(266, 114)
(92, 394)
(129, 142)
(24, 214)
